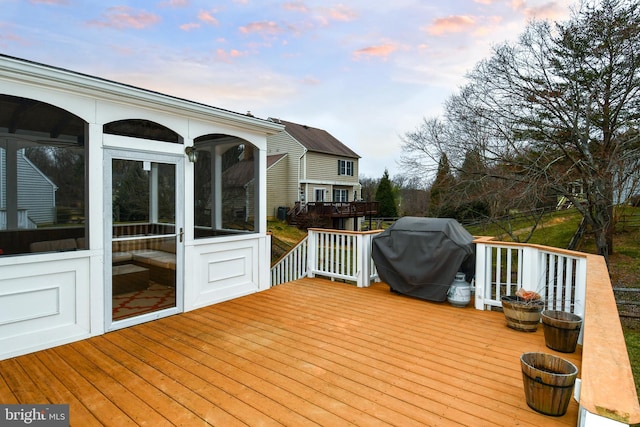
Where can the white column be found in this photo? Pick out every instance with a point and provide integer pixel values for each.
(481, 275)
(11, 161)
(312, 253)
(216, 188)
(153, 193)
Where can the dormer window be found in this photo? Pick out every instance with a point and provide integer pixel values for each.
(345, 167)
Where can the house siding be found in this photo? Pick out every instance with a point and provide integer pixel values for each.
(36, 193)
(306, 171)
(277, 195)
(283, 177)
(324, 167)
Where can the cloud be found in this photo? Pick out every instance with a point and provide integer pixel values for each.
(549, 10)
(488, 27)
(451, 24)
(227, 56)
(322, 15)
(50, 2)
(126, 17)
(338, 13)
(175, 3)
(310, 81)
(189, 26)
(9, 38)
(341, 13)
(380, 51)
(295, 6)
(207, 17)
(262, 27)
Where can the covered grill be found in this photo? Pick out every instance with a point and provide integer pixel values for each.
(420, 257)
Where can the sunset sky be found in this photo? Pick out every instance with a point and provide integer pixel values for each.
(367, 71)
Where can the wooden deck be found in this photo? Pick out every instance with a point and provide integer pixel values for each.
(310, 352)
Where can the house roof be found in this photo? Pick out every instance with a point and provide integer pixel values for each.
(314, 139)
(242, 173)
(272, 159)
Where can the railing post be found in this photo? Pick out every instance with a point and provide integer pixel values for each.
(481, 275)
(312, 253)
(363, 243)
(530, 269)
(581, 294)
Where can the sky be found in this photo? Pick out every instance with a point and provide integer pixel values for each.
(366, 71)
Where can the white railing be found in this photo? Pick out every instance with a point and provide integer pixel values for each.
(23, 220)
(292, 266)
(559, 276)
(336, 254)
(342, 255)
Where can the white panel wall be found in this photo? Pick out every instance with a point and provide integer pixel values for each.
(224, 269)
(44, 303)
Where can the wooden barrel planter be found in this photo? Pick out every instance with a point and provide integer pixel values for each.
(520, 314)
(548, 382)
(561, 330)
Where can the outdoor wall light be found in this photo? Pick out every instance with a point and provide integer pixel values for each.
(192, 154)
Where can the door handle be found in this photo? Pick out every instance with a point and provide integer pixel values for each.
(181, 234)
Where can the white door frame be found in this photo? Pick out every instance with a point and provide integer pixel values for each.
(125, 154)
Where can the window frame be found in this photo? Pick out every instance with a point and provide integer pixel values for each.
(344, 192)
(345, 167)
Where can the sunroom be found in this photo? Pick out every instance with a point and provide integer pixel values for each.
(114, 207)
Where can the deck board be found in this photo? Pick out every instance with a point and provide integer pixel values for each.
(310, 352)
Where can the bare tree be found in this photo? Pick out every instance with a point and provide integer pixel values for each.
(368, 188)
(559, 108)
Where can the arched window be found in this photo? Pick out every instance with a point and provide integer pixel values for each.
(43, 186)
(225, 186)
(146, 129)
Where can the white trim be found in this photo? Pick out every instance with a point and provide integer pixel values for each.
(19, 70)
(326, 182)
(315, 194)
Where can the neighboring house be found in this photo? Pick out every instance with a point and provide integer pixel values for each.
(35, 191)
(309, 169)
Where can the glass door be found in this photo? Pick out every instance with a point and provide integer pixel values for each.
(145, 280)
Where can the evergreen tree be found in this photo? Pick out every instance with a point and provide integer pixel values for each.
(385, 195)
(438, 206)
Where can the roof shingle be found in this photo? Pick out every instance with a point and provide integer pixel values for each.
(314, 139)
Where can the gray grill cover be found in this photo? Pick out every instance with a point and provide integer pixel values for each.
(420, 257)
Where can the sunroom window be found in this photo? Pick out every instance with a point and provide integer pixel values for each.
(225, 194)
(43, 171)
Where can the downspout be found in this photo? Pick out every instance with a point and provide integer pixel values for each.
(300, 168)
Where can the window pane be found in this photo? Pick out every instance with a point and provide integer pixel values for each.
(43, 199)
(42, 179)
(225, 196)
